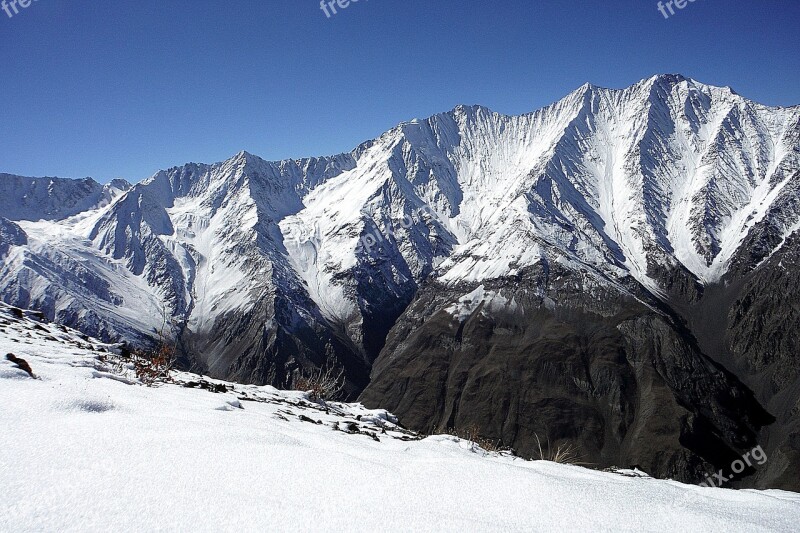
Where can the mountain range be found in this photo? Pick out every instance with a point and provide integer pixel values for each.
(617, 271)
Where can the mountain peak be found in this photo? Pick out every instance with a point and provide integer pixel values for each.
(670, 79)
(470, 111)
(245, 157)
(245, 161)
(243, 154)
(120, 184)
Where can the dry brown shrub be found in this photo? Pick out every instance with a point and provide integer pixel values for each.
(472, 433)
(563, 453)
(322, 384)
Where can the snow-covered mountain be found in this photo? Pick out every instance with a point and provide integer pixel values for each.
(639, 201)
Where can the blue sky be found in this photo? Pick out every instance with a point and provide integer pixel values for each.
(113, 88)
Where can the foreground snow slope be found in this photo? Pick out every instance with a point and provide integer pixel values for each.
(80, 450)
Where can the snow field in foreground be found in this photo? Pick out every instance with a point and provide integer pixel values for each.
(80, 451)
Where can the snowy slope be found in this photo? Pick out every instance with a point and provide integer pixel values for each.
(81, 450)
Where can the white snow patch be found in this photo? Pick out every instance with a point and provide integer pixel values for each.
(469, 303)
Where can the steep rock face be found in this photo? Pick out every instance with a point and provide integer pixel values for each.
(555, 356)
(749, 323)
(669, 192)
(11, 235)
(762, 337)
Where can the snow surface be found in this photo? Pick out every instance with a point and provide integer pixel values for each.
(82, 449)
(469, 303)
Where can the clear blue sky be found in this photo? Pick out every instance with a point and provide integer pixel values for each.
(109, 88)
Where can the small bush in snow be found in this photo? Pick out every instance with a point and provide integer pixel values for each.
(154, 367)
(322, 384)
(149, 367)
(472, 433)
(563, 453)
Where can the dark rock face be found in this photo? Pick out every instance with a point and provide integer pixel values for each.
(271, 342)
(749, 324)
(10, 235)
(762, 340)
(614, 373)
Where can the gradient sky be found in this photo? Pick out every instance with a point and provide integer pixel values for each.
(122, 88)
